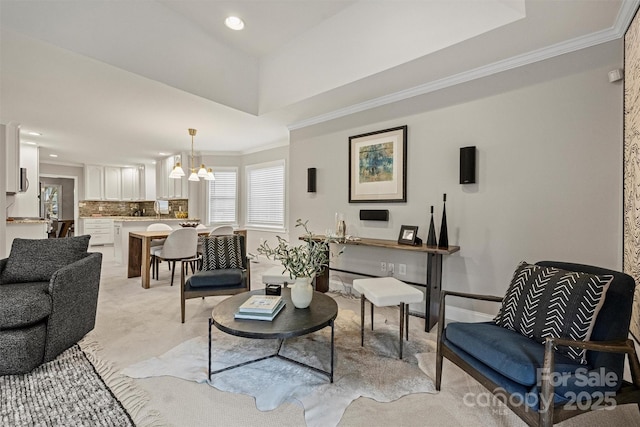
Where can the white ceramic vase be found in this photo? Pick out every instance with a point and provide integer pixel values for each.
(302, 292)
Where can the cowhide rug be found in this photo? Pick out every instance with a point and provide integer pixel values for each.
(372, 371)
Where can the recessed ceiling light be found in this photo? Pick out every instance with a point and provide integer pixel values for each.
(30, 132)
(29, 142)
(234, 23)
(53, 155)
(163, 154)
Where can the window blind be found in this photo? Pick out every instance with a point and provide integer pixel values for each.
(222, 197)
(265, 195)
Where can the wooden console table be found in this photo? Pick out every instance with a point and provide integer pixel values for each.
(434, 271)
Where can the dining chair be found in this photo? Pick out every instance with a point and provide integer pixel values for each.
(158, 226)
(181, 244)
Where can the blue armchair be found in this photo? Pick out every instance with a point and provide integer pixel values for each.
(225, 270)
(529, 357)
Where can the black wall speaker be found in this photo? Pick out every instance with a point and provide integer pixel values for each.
(374, 215)
(311, 180)
(468, 165)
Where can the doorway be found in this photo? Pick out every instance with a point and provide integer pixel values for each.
(58, 204)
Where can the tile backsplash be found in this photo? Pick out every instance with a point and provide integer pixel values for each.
(144, 208)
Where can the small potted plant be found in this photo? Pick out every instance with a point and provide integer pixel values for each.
(303, 262)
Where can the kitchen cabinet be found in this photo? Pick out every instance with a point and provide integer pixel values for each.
(169, 188)
(117, 241)
(12, 161)
(93, 182)
(133, 183)
(100, 230)
(112, 183)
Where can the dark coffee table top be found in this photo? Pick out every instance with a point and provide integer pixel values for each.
(290, 322)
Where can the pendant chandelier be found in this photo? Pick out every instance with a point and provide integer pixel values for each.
(195, 174)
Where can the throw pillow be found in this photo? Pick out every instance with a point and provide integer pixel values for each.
(549, 302)
(220, 252)
(35, 260)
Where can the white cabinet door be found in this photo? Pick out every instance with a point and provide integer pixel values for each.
(117, 243)
(131, 184)
(171, 188)
(112, 183)
(175, 185)
(100, 230)
(93, 182)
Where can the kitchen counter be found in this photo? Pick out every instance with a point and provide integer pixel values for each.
(22, 220)
(141, 218)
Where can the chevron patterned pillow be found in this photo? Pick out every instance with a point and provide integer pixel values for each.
(220, 252)
(548, 302)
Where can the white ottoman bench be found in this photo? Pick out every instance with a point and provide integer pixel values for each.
(384, 292)
(275, 276)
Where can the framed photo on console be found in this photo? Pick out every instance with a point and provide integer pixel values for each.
(378, 166)
(409, 235)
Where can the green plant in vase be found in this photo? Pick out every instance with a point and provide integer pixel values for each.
(303, 262)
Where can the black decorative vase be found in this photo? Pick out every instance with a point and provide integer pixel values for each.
(431, 237)
(443, 241)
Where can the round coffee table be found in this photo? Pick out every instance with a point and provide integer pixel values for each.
(290, 322)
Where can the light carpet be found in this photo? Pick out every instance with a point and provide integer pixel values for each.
(372, 371)
(75, 389)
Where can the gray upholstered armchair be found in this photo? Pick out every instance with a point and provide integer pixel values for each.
(48, 300)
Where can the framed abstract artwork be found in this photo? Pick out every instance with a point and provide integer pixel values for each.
(378, 166)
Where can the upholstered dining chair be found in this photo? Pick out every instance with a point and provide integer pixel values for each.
(221, 230)
(181, 244)
(158, 226)
(225, 270)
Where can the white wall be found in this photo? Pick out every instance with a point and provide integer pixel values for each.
(3, 199)
(549, 179)
(255, 236)
(27, 204)
(66, 171)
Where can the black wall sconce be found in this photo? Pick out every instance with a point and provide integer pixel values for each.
(311, 180)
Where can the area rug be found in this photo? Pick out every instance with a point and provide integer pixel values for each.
(70, 391)
(372, 371)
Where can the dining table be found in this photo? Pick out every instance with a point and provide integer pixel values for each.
(139, 262)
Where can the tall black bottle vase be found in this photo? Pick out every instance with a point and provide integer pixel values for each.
(431, 237)
(443, 241)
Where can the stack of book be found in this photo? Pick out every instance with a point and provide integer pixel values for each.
(260, 307)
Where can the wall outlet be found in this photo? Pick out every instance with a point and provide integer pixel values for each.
(390, 268)
(402, 269)
(383, 267)
(100, 208)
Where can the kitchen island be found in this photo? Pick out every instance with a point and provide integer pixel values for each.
(122, 226)
(25, 228)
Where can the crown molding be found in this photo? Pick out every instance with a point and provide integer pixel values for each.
(623, 20)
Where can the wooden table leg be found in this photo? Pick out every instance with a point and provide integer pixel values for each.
(146, 262)
(135, 250)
